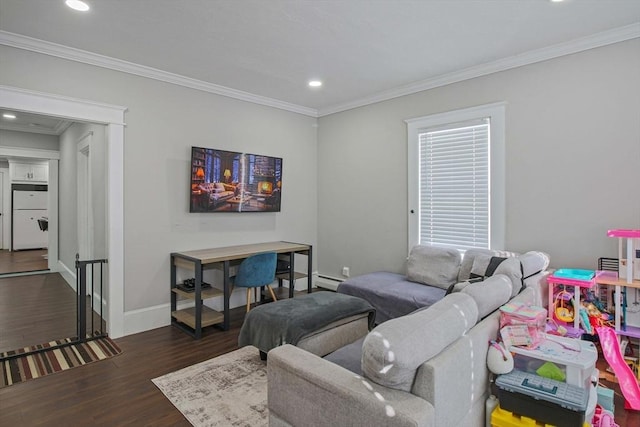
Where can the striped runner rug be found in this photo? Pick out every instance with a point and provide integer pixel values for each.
(24, 368)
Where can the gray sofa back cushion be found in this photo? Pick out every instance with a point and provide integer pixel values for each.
(432, 265)
(393, 351)
(533, 262)
(489, 294)
(470, 255)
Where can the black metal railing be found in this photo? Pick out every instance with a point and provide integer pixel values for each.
(89, 274)
(86, 275)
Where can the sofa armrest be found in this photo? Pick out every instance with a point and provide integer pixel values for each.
(304, 389)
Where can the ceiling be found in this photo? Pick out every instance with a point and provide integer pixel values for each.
(362, 50)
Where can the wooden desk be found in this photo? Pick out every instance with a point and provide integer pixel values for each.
(192, 320)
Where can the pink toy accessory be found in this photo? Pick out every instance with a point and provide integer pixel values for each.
(603, 418)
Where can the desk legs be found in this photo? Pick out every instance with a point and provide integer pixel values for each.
(309, 269)
(226, 296)
(292, 278)
(198, 300)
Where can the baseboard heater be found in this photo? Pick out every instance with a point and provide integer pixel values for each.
(327, 282)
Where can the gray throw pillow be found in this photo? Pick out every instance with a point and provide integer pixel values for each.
(432, 265)
(485, 266)
(470, 255)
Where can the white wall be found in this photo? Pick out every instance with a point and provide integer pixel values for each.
(572, 162)
(163, 122)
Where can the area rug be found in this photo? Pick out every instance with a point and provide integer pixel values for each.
(27, 367)
(228, 390)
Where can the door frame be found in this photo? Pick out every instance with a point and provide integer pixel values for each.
(85, 206)
(113, 117)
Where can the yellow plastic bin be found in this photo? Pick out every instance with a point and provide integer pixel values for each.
(503, 418)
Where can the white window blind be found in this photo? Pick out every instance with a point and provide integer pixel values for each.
(454, 185)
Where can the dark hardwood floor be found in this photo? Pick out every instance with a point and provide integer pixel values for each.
(119, 391)
(23, 261)
(35, 309)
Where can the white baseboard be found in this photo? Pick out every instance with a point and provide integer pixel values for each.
(327, 282)
(145, 319)
(67, 274)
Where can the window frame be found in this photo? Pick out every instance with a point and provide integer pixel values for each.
(497, 211)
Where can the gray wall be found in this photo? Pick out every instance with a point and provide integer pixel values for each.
(10, 138)
(572, 162)
(163, 122)
(68, 191)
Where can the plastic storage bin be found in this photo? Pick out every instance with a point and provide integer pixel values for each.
(578, 366)
(522, 325)
(503, 418)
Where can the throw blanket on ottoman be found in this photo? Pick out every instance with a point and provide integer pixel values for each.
(287, 321)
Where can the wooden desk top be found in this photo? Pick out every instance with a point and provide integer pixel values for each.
(228, 253)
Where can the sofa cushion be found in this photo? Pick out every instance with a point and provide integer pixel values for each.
(432, 265)
(490, 293)
(533, 262)
(470, 255)
(391, 294)
(394, 350)
(512, 268)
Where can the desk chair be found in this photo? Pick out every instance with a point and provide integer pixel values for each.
(255, 272)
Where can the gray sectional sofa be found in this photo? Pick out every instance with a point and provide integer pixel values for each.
(426, 368)
(434, 271)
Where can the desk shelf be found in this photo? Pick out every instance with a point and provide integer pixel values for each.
(188, 316)
(285, 276)
(204, 294)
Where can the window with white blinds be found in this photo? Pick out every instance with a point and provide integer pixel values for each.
(456, 178)
(454, 185)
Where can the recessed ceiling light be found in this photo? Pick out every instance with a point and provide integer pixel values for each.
(556, 1)
(315, 83)
(9, 116)
(77, 5)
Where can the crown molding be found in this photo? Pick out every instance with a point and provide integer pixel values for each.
(29, 129)
(59, 128)
(567, 48)
(65, 52)
(62, 126)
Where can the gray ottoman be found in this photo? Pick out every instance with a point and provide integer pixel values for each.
(319, 323)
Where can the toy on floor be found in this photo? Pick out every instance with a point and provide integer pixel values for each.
(615, 359)
(603, 418)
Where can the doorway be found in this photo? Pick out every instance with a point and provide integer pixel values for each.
(113, 117)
